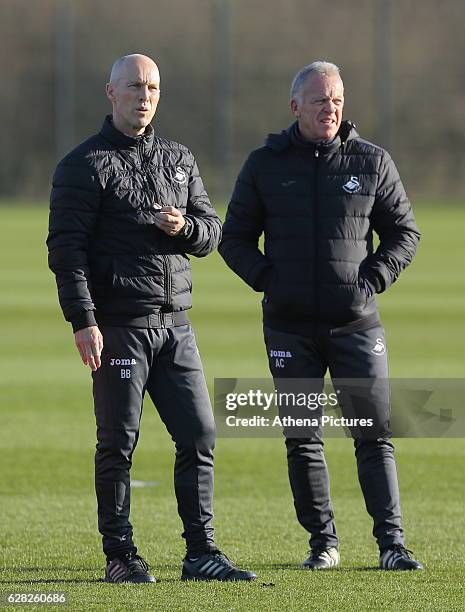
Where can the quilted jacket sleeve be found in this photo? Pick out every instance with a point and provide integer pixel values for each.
(393, 221)
(74, 206)
(204, 226)
(242, 229)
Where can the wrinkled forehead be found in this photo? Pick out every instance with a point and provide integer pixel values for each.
(140, 71)
(324, 85)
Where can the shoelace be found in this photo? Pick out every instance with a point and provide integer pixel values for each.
(221, 556)
(136, 564)
(402, 550)
(224, 561)
(315, 553)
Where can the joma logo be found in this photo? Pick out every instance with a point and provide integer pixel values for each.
(120, 362)
(274, 353)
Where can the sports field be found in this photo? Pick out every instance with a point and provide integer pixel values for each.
(49, 541)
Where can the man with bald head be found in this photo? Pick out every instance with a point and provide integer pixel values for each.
(127, 209)
(318, 192)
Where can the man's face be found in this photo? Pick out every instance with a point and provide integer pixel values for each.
(319, 110)
(134, 95)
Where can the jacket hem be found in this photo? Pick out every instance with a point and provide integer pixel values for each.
(156, 320)
(314, 327)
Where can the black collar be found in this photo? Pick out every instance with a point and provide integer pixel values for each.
(286, 138)
(297, 140)
(122, 141)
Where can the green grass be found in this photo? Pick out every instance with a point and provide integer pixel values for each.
(49, 540)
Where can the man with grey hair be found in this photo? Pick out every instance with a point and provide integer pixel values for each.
(126, 210)
(318, 192)
(322, 68)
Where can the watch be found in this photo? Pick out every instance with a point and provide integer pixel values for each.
(185, 230)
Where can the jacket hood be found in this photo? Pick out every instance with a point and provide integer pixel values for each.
(279, 142)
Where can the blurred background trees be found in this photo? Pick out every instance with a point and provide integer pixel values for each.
(226, 68)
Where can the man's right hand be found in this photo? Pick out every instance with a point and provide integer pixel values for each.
(89, 342)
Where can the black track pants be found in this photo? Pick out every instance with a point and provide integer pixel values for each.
(166, 363)
(358, 355)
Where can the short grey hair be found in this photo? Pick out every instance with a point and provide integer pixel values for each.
(320, 67)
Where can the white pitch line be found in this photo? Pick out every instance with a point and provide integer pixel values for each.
(141, 484)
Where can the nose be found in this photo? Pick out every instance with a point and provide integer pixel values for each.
(144, 93)
(330, 107)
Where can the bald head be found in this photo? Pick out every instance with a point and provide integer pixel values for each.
(134, 91)
(127, 62)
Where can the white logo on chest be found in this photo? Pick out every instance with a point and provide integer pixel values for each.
(180, 176)
(353, 185)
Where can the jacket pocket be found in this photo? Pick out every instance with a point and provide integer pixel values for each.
(275, 292)
(342, 303)
(180, 275)
(287, 299)
(139, 275)
(364, 291)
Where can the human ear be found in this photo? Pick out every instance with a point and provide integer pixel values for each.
(295, 107)
(110, 92)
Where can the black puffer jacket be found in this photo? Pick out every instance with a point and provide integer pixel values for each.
(318, 206)
(106, 252)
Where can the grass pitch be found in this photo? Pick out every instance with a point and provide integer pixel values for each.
(49, 540)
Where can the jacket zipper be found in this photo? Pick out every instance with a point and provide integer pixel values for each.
(143, 165)
(142, 170)
(315, 230)
(149, 180)
(167, 274)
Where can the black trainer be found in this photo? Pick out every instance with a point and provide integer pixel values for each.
(128, 568)
(213, 566)
(322, 559)
(397, 557)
